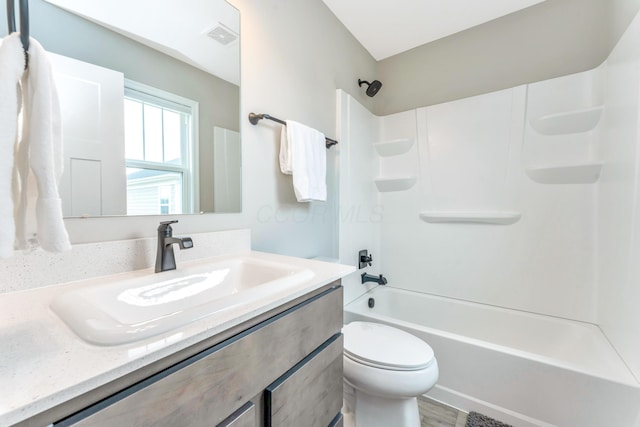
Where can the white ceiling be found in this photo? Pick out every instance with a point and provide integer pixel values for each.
(175, 28)
(388, 27)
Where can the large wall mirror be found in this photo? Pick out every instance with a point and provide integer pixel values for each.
(150, 94)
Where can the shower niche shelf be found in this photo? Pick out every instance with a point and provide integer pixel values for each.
(471, 217)
(584, 173)
(394, 147)
(388, 184)
(567, 122)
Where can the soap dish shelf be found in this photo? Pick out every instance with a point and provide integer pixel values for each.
(585, 173)
(567, 122)
(394, 147)
(471, 217)
(389, 184)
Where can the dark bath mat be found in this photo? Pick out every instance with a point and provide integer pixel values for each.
(478, 420)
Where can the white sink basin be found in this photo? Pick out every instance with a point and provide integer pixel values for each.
(140, 305)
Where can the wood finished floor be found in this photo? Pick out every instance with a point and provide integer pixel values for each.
(434, 414)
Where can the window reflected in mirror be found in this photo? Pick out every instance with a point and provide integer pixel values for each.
(158, 137)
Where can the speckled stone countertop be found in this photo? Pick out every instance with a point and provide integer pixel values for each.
(44, 364)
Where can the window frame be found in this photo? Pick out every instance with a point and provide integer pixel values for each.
(190, 182)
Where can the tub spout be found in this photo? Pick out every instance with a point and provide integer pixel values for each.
(380, 280)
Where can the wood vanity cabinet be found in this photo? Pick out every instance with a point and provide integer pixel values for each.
(285, 370)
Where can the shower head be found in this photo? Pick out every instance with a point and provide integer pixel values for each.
(373, 88)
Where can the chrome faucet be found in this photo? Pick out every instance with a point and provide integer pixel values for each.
(165, 259)
(380, 280)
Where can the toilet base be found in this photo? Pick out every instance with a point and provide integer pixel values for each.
(375, 411)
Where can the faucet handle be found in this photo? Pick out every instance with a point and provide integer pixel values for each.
(364, 258)
(186, 243)
(166, 225)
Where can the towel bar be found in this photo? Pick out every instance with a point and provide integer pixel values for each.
(255, 118)
(24, 24)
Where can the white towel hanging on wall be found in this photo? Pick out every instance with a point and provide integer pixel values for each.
(303, 155)
(30, 206)
(11, 70)
(42, 139)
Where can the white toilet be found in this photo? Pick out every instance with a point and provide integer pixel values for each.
(388, 368)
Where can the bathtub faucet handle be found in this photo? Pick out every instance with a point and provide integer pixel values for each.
(364, 258)
(368, 259)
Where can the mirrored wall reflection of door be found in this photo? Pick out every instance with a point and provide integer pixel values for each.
(92, 103)
(227, 170)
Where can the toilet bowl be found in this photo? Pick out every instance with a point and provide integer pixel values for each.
(387, 369)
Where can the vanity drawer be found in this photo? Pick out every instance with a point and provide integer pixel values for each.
(205, 389)
(310, 394)
(243, 417)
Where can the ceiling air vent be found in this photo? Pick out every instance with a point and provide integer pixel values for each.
(222, 34)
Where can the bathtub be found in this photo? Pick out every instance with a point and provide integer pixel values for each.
(522, 368)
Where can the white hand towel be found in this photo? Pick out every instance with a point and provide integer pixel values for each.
(11, 70)
(303, 154)
(40, 158)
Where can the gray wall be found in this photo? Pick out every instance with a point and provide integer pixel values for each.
(219, 101)
(550, 39)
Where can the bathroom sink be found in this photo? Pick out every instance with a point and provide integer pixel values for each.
(139, 305)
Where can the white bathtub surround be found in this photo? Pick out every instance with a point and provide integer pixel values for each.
(618, 203)
(45, 364)
(467, 152)
(522, 368)
(360, 213)
(38, 268)
(479, 228)
(475, 226)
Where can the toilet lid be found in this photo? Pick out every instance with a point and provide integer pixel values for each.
(385, 347)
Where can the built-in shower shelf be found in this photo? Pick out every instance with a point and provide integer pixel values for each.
(479, 217)
(566, 122)
(585, 173)
(394, 147)
(388, 184)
